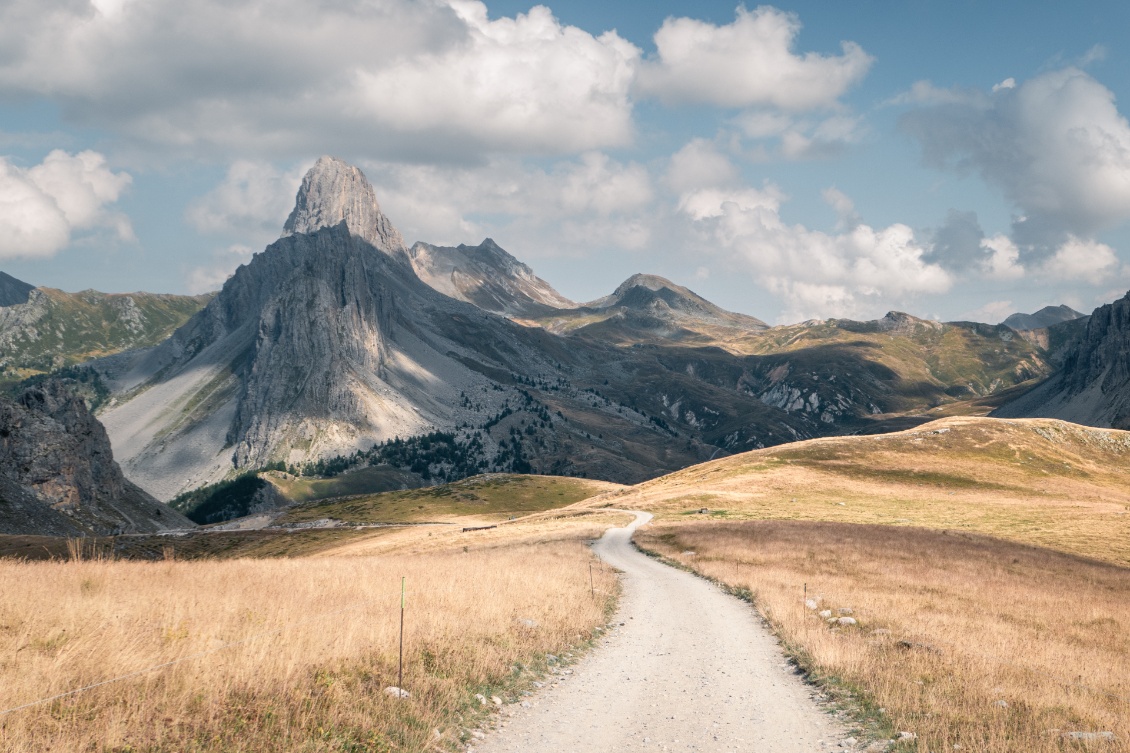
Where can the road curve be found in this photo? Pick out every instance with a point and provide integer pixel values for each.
(692, 669)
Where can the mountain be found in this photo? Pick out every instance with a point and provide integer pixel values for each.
(328, 352)
(1092, 385)
(327, 343)
(53, 329)
(488, 277)
(651, 309)
(58, 475)
(1042, 319)
(13, 291)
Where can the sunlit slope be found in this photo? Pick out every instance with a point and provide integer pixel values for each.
(1037, 481)
(490, 497)
(54, 328)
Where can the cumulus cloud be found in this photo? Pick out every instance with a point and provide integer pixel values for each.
(1003, 258)
(423, 80)
(1082, 259)
(253, 200)
(750, 62)
(699, 163)
(1056, 145)
(569, 207)
(818, 274)
(42, 208)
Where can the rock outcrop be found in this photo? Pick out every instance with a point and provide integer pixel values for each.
(488, 277)
(58, 472)
(1092, 385)
(333, 192)
(13, 291)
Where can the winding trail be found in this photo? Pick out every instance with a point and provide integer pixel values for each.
(692, 669)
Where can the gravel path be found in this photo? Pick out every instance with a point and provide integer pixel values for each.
(692, 669)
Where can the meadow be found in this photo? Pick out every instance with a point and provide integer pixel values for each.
(290, 654)
(969, 642)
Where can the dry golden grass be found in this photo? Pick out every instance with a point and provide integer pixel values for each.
(315, 645)
(972, 621)
(1036, 481)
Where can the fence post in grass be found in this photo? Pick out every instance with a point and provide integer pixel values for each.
(591, 586)
(400, 669)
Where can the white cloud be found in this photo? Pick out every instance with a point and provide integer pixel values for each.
(817, 274)
(41, 208)
(1008, 83)
(749, 62)
(212, 276)
(843, 206)
(698, 164)
(253, 200)
(1082, 259)
(1003, 262)
(1055, 144)
(571, 207)
(993, 312)
(398, 78)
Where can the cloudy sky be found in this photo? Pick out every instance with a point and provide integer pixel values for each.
(950, 158)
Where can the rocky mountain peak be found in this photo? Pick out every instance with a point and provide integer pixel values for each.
(651, 282)
(1045, 317)
(333, 192)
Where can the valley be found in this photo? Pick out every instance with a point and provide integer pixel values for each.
(214, 489)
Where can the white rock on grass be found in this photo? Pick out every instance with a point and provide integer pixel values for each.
(847, 621)
(396, 692)
(826, 613)
(496, 700)
(1090, 736)
(907, 736)
(812, 604)
(482, 699)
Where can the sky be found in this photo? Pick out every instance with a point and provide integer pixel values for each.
(954, 159)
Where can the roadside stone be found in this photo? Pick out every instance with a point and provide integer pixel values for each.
(482, 699)
(496, 700)
(478, 734)
(848, 742)
(526, 705)
(847, 621)
(396, 692)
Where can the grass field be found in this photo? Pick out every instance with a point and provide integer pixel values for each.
(292, 654)
(971, 643)
(1043, 482)
(370, 480)
(490, 497)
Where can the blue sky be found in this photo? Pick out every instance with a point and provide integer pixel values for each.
(951, 159)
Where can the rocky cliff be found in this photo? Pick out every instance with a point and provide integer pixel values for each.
(1092, 385)
(58, 475)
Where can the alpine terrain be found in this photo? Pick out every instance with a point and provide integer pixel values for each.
(339, 347)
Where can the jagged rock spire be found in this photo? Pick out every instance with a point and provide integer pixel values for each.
(334, 190)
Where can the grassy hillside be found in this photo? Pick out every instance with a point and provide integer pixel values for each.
(55, 329)
(1034, 481)
(491, 497)
(961, 639)
(268, 655)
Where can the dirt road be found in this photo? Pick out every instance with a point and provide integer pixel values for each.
(692, 669)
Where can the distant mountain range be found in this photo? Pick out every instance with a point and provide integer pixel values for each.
(339, 347)
(1046, 317)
